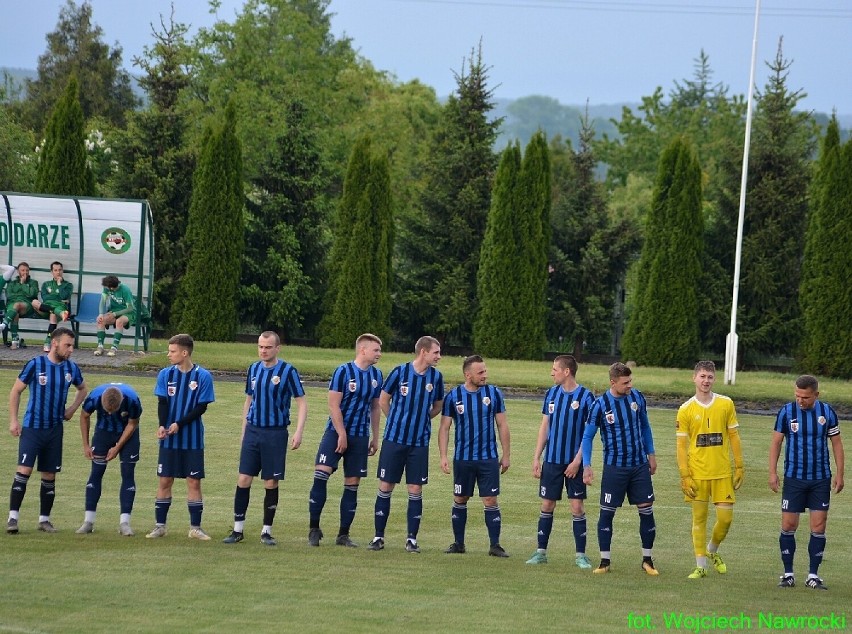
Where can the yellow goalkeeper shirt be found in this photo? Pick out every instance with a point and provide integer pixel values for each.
(706, 426)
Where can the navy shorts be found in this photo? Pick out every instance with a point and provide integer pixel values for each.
(104, 440)
(395, 457)
(44, 444)
(264, 452)
(634, 481)
(553, 480)
(355, 458)
(486, 473)
(797, 495)
(181, 463)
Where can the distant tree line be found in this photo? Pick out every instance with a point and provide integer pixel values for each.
(297, 188)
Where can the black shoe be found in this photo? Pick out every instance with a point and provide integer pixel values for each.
(411, 546)
(314, 537)
(377, 543)
(12, 527)
(787, 581)
(497, 551)
(268, 540)
(233, 538)
(455, 549)
(343, 540)
(815, 583)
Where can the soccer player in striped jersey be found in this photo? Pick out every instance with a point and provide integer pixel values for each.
(621, 415)
(270, 385)
(564, 411)
(707, 434)
(352, 434)
(183, 391)
(116, 434)
(476, 408)
(808, 425)
(48, 377)
(411, 397)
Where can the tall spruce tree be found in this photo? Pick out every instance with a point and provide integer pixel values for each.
(783, 143)
(210, 289)
(826, 288)
(440, 246)
(663, 329)
(287, 236)
(358, 299)
(62, 167)
(155, 162)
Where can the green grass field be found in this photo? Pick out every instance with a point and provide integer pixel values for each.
(103, 582)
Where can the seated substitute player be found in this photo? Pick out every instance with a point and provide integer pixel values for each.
(352, 434)
(707, 434)
(55, 299)
(411, 397)
(48, 377)
(807, 424)
(184, 390)
(270, 385)
(564, 412)
(476, 408)
(20, 295)
(116, 434)
(628, 462)
(118, 308)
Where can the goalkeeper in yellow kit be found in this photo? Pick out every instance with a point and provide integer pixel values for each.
(706, 436)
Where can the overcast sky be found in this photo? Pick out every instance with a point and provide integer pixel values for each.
(603, 51)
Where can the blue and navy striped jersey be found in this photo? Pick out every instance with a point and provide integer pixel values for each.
(474, 416)
(625, 430)
(49, 384)
(271, 389)
(359, 388)
(807, 432)
(130, 408)
(567, 413)
(412, 396)
(184, 391)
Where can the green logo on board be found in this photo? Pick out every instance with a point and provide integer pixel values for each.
(115, 240)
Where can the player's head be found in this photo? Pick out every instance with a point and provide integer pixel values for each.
(620, 379)
(56, 269)
(429, 349)
(180, 348)
(564, 366)
(268, 345)
(807, 391)
(23, 271)
(111, 399)
(61, 344)
(369, 348)
(474, 370)
(703, 376)
(110, 282)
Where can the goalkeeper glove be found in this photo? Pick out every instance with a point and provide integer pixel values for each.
(687, 484)
(739, 474)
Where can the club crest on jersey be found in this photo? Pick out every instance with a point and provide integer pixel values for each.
(403, 389)
(551, 407)
(276, 380)
(68, 379)
(172, 390)
(193, 385)
(429, 387)
(610, 418)
(634, 406)
(575, 404)
(353, 385)
(794, 426)
(42, 379)
(486, 401)
(375, 384)
(821, 420)
(460, 408)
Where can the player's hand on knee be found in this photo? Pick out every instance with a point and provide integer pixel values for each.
(688, 486)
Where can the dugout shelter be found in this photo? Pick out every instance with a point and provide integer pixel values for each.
(92, 237)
